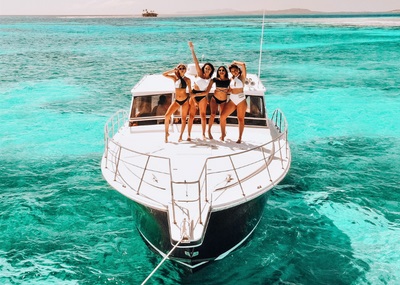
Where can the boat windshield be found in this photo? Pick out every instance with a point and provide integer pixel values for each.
(144, 109)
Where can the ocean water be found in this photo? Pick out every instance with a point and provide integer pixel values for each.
(335, 218)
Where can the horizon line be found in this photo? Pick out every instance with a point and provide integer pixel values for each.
(290, 11)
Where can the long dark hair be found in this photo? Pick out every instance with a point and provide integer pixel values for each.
(226, 72)
(235, 66)
(211, 66)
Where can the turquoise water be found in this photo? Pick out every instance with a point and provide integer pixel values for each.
(335, 219)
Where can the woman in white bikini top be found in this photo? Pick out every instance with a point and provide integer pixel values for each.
(237, 98)
(236, 83)
(202, 83)
(199, 96)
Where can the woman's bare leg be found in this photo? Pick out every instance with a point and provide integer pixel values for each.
(172, 108)
(192, 113)
(203, 110)
(185, 110)
(228, 109)
(213, 109)
(241, 112)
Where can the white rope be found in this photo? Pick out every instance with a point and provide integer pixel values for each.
(261, 43)
(162, 261)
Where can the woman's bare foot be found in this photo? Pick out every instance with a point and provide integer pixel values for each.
(222, 137)
(204, 137)
(239, 141)
(180, 139)
(188, 139)
(210, 136)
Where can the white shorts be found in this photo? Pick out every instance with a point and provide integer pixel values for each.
(237, 98)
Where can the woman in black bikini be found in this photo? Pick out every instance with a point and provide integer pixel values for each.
(220, 95)
(181, 97)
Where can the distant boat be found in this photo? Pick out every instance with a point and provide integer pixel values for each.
(147, 13)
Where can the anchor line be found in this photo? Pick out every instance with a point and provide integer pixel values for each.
(162, 261)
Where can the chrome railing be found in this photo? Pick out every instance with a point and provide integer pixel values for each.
(112, 126)
(280, 123)
(279, 120)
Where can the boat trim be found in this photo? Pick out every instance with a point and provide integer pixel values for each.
(165, 255)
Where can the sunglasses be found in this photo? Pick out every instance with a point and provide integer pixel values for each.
(182, 68)
(220, 70)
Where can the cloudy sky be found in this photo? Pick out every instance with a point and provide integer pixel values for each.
(128, 7)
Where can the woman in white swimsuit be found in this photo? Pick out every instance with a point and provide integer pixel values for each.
(199, 96)
(237, 98)
(181, 82)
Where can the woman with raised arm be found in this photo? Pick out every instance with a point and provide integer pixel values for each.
(201, 88)
(237, 99)
(181, 97)
(220, 95)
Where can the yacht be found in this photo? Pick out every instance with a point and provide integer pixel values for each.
(194, 201)
(147, 13)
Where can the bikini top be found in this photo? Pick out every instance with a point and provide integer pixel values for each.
(236, 83)
(180, 83)
(202, 83)
(221, 83)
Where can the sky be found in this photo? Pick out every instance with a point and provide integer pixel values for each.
(134, 7)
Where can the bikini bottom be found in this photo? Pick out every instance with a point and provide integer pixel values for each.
(199, 98)
(218, 101)
(182, 102)
(237, 98)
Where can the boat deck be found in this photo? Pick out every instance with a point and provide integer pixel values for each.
(220, 164)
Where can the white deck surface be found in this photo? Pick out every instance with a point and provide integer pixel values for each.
(187, 160)
(188, 157)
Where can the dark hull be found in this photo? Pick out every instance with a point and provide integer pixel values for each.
(226, 230)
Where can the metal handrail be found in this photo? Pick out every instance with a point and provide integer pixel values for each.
(144, 169)
(110, 125)
(280, 120)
